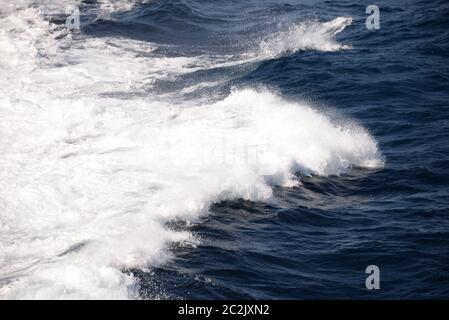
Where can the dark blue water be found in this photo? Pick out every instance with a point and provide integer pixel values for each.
(319, 237)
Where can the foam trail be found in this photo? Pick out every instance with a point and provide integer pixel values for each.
(309, 35)
(88, 180)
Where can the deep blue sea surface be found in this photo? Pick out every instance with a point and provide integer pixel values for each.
(311, 239)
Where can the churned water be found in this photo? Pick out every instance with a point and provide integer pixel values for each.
(223, 149)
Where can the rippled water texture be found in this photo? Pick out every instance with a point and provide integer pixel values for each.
(223, 149)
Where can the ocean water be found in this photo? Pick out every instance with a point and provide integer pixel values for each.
(187, 149)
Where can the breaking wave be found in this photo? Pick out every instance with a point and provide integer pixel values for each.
(88, 180)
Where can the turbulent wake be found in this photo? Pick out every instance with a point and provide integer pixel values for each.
(88, 180)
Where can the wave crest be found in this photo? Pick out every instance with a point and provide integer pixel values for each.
(309, 35)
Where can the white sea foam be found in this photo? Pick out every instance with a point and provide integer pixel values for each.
(308, 35)
(89, 180)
